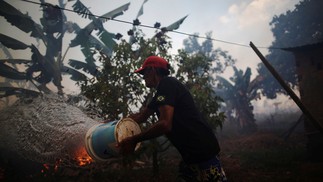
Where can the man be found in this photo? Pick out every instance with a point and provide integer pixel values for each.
(180, 121)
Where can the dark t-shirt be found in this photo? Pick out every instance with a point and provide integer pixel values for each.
(190, 134)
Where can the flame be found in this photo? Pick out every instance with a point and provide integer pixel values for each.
(82, 157)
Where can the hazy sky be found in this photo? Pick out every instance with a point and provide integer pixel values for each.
(237, 21)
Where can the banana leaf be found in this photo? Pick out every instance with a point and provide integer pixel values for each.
(12, 43)
(228, 96)
(81, 38)
(5, 51)
(107, 38)
(247, 75)
(237, 73)
(9, 72)
(75, 75)
(20, 20)
(97, 23)
(84, 35)
(141, 10)
(224, 82)
(82, 10)
(171, 27)
(37, 57)
(85, 39)
(8, 91)
(116, 12)
(100, 46)
(242, 80)
(176, 24)
(228, 88)
(86, 67)
(15, 61)
(49, 69)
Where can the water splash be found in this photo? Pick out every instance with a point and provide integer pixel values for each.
(44, 129)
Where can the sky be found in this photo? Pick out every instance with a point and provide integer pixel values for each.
(236, 21)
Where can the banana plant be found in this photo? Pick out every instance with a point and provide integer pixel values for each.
(43, 69)
(237, 95)
(104, 42)
(88, 42)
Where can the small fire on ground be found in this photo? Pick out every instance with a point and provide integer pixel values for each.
(82, 157)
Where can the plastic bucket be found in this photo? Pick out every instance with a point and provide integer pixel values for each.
(100, 139)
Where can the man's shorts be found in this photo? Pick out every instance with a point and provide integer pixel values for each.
(210, 170)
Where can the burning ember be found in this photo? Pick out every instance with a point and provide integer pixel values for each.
(82, 158)
(47, 168)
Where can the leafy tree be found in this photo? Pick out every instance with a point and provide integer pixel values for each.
(197, 65)
(298, 27)
(238, 94)
(116, 91)
(117, 69)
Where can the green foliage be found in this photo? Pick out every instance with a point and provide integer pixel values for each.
(117, 90)
(298, 27)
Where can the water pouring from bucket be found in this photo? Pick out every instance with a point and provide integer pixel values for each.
(101, 139)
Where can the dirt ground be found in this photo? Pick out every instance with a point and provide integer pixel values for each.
(266, 156)
(262, 156)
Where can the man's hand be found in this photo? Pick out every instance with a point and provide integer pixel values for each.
(127, 146)
(142, 116)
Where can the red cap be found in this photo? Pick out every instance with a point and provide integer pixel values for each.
(153, 61)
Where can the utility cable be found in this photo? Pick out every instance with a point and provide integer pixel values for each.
(147, 26)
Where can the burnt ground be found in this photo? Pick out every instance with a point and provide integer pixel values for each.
(262, 156)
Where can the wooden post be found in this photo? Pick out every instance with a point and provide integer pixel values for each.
(287, 89)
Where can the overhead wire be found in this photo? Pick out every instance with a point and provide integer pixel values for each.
(147, 26)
